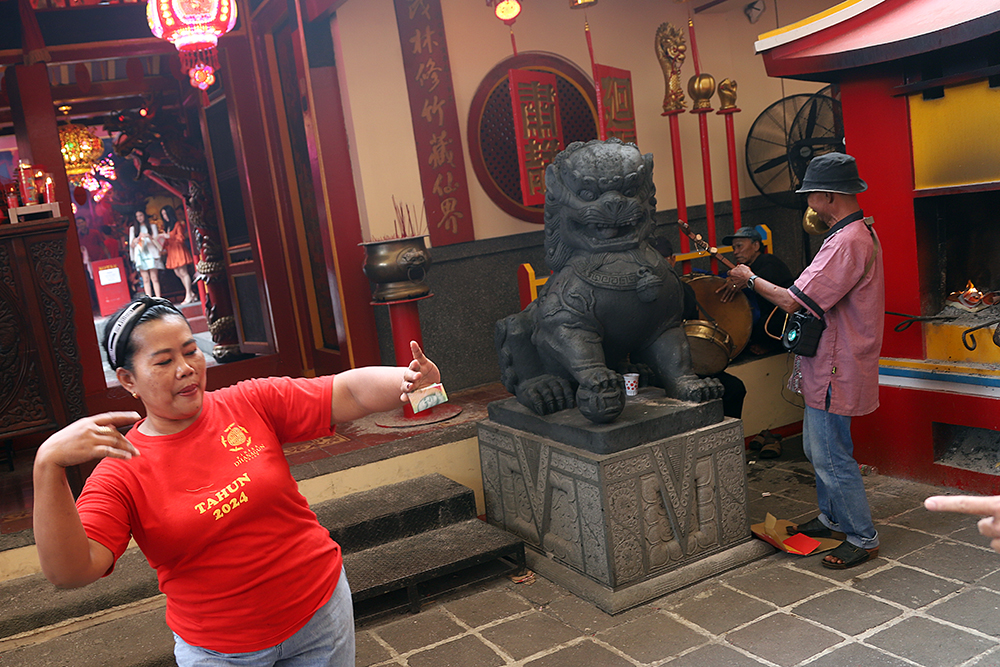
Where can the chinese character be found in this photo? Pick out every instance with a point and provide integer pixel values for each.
(444, 184)
(419, 6)
(538, 109)
(440, 151)
(449, 216)
(423, 41)
(429, 71)
(432, 108)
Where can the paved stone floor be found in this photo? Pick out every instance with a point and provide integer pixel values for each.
(932, 599)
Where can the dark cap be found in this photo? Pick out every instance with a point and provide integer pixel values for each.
(832, 172)
(744, 233)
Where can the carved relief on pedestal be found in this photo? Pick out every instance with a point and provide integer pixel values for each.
(733, 493)
(704, 527)
(518, 515)
(562, 538)
(595, 550)
(491, 482)
(623, 514)
(661, 543)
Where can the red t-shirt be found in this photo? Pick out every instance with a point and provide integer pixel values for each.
(242, 559)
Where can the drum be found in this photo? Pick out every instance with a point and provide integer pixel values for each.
(734, 318)
(710, 347)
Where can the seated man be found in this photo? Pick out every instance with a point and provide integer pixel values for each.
(748, 249)
(735, 390)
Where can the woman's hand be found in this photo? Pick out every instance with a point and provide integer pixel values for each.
(87, 439)
(421, 372)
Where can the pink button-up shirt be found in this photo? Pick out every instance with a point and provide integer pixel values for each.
(847, 357)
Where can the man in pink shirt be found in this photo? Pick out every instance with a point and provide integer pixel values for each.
(844, 285)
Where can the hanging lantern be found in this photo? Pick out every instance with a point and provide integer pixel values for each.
(81, 149)
(194, 27)
(507, 10)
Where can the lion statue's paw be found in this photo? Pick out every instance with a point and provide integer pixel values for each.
(698, 390)
(545, 394)
(601, 395)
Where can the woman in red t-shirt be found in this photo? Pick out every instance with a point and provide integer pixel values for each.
(250, 575)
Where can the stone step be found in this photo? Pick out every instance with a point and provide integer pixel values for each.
(369, 518)
(419, 537)
(31, 602)
(409, 563)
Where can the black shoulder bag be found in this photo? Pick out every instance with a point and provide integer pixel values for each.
(803, 329)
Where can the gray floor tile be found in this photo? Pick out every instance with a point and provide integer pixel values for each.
(779, 506)
(814, 564)
(954, 560)
(906, 586)
(938, 523)
(761, 477)
(971, 535)
(895, 541)
(582, 653)
(930, 644)
(487, 606)
(587, 618)
(652, 637)
(780, 585)
(530, 634)
(721, 609)
(847, 611)
(783, 639)
(886, 507)
(368, 651)
(715, 655)
(978, 609)
(462, 652)
(992, 582)
(858, 655)
(416, 630)
(540, 591)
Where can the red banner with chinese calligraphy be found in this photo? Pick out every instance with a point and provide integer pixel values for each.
(615, 108)
(435, 121)
(537, 129)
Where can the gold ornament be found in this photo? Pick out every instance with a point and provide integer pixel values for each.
(701, 88)
(581, 4)
(812, 224)
(671, 51)
(727, 94)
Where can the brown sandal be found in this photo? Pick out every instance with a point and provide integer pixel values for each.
(772, 445)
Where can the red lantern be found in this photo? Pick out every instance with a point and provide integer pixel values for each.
(194, 27)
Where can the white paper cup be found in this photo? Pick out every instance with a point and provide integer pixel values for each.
(631, 384)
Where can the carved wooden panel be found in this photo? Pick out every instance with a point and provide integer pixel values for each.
(41, 376)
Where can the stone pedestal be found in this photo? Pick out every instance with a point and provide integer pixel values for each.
(617, 522)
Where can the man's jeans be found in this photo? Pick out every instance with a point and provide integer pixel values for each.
(843, 505)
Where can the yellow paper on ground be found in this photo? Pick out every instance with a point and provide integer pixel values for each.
(772, 531)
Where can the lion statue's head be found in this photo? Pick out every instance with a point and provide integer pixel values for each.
(599, 197)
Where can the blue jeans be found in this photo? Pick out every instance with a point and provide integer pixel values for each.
(327, 640)
(840, 491)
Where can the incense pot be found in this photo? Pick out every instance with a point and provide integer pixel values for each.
(397, 268)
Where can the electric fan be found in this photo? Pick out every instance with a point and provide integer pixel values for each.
(785, 137)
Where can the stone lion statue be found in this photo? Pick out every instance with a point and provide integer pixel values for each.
(613, 302)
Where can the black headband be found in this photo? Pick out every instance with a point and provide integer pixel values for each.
(121, 331)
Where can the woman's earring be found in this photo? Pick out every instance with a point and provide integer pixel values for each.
(135, 395)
